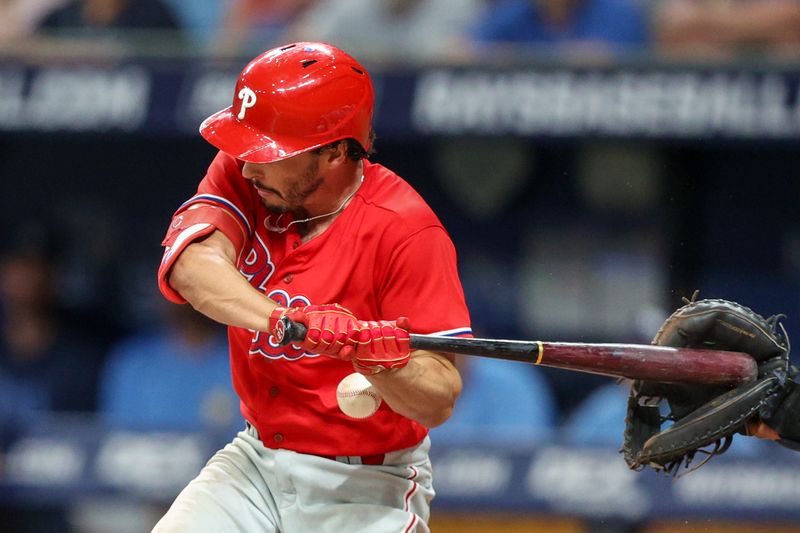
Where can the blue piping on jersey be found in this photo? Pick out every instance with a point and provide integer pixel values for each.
(222, 201)
(453, 332)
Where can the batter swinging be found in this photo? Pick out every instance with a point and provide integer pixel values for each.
(292, 219)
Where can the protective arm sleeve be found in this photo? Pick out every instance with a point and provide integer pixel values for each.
(223, 197)
(197, 221)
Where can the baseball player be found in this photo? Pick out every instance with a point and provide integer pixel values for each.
(292, 219)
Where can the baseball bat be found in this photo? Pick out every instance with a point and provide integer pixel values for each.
(635, 361)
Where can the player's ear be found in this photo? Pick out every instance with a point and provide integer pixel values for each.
(336, 154)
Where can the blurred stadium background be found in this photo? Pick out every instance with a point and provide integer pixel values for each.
(594, 161)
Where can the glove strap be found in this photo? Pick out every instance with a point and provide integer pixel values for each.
(276, 315)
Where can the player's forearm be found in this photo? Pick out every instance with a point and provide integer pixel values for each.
(424, 390)
(212, 285)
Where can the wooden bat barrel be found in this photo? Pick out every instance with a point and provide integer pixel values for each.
(634, 361)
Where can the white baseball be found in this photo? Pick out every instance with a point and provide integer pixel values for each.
(357, 397)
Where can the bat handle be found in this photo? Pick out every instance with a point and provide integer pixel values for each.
(292, 331)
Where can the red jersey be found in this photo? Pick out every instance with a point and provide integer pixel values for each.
(386, 255)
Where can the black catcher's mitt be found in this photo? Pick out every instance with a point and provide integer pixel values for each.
(704, 416)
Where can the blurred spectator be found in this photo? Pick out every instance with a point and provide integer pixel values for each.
(175, 379)
(43, 366)
(600, 419)
(252, 26)
(107, 17)
(20, 18)
(501, 401)
(199, 19)
(401, 29)
(589, 27)
(715, 28)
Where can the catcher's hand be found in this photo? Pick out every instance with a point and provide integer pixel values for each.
(705, 415)
(758, 428)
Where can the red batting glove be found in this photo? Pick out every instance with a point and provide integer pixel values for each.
(382, 345)
(332, 329)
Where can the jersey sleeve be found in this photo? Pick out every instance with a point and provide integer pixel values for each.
(422, 283)
(224, 202)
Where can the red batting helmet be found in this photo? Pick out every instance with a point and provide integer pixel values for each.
(293, 99)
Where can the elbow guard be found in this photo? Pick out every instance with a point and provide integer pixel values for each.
(187, 226)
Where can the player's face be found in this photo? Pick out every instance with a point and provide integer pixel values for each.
(285, 186)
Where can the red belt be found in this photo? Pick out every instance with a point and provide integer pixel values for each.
(376, 459)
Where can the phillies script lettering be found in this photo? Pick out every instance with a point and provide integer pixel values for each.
(258, 268)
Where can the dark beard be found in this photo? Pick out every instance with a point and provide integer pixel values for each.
(298, 213)
(298, 192)
(304, 188)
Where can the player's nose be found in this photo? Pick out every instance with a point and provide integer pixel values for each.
(252, 171)
(256, 174)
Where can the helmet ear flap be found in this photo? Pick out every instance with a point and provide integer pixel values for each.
(292, 99)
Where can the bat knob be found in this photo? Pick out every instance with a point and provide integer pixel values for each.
(287, 331)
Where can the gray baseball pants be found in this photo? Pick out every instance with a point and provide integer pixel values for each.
(247, 487)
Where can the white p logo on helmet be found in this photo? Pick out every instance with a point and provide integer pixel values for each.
(248, 98)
